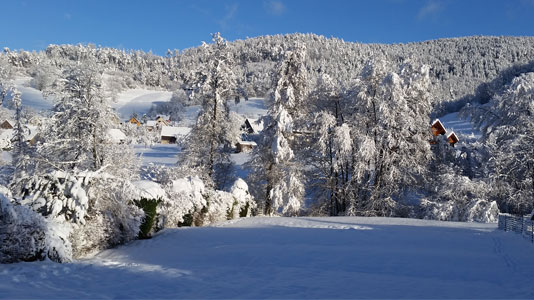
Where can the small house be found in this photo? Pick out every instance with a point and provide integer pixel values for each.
(116, 136)
(133, 120)
(452, 138)
(7, 125)
(247, 127)
(171, 134)
(245, 146)
(438, 128)
(150, 125)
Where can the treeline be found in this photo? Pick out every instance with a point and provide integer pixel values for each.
(457, 66)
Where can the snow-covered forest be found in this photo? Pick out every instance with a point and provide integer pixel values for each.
(346, 129)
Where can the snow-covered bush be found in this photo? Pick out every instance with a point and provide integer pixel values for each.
(185, 197)
(476, 210)
(26, 235)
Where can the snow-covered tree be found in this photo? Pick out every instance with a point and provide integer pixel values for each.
(277, 173)
(392, 137)
(507, 124)
(209, 145)
(21, 151)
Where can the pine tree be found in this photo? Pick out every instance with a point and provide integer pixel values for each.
(207, 150)
(283, 190)
(21, 149)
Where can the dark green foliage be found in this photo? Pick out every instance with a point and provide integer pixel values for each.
(188, 221)
(244, 210)
(149, 207)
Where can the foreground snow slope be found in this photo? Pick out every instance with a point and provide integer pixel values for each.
(341, 257)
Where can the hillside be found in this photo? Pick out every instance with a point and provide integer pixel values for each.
(458, 66)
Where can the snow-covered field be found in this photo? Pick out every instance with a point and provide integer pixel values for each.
(338, 257)
(32, 97)
(139, 101)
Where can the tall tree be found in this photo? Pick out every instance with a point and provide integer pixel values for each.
(391, 132)
(507, 124)
(209, 145)
(276, 172)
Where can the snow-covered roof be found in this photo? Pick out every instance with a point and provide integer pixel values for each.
(174, 131)
(256, 124)
(248, 143)
(151, 123)
(436, 121)
(116, 135)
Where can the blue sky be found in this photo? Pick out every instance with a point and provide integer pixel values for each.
(160, 25)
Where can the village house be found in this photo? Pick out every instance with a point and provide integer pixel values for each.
(7, 124)
(245, 146)
(133, 120)
(439, 129)
(452, 138)
(171, 134)
(116, 136)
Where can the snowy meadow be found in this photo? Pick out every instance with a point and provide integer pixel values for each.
(341, 257)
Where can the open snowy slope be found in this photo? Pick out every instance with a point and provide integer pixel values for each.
(341, 257)
(462, 127)
(32, 97)
(138, 101)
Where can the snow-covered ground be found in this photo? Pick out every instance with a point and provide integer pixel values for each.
(338, 257)
(138, 101)
(32, 97)
(159, 154)
(462, 127)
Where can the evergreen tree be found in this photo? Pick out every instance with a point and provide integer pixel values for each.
(283, 189)
(207, 150)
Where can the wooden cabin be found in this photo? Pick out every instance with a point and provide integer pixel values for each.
(438, 128)
(245, 146)
(163, 121)
(6, 125)
(171, 134)
(452, 138)
(134, 120)
(247, 127)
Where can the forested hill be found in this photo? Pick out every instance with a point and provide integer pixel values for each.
(458, 66)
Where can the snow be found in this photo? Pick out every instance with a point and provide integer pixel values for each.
(175, 131)
(462, 127)
(149, 189)
(116, 135)
(32, 97)
(337, 257)
(252, 108)
(139, 101)
(159, 154)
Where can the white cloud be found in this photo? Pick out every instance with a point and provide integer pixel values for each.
(230, 14)
(430, 9)
(274, 7)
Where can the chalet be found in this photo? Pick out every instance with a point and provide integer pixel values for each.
(7, 124)
(171, 134)
(162, 118)
(438, 128)
(151, 125)
(247, 127)
(245, 146)
(116, 136)
(452, 138)
(133, 120)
